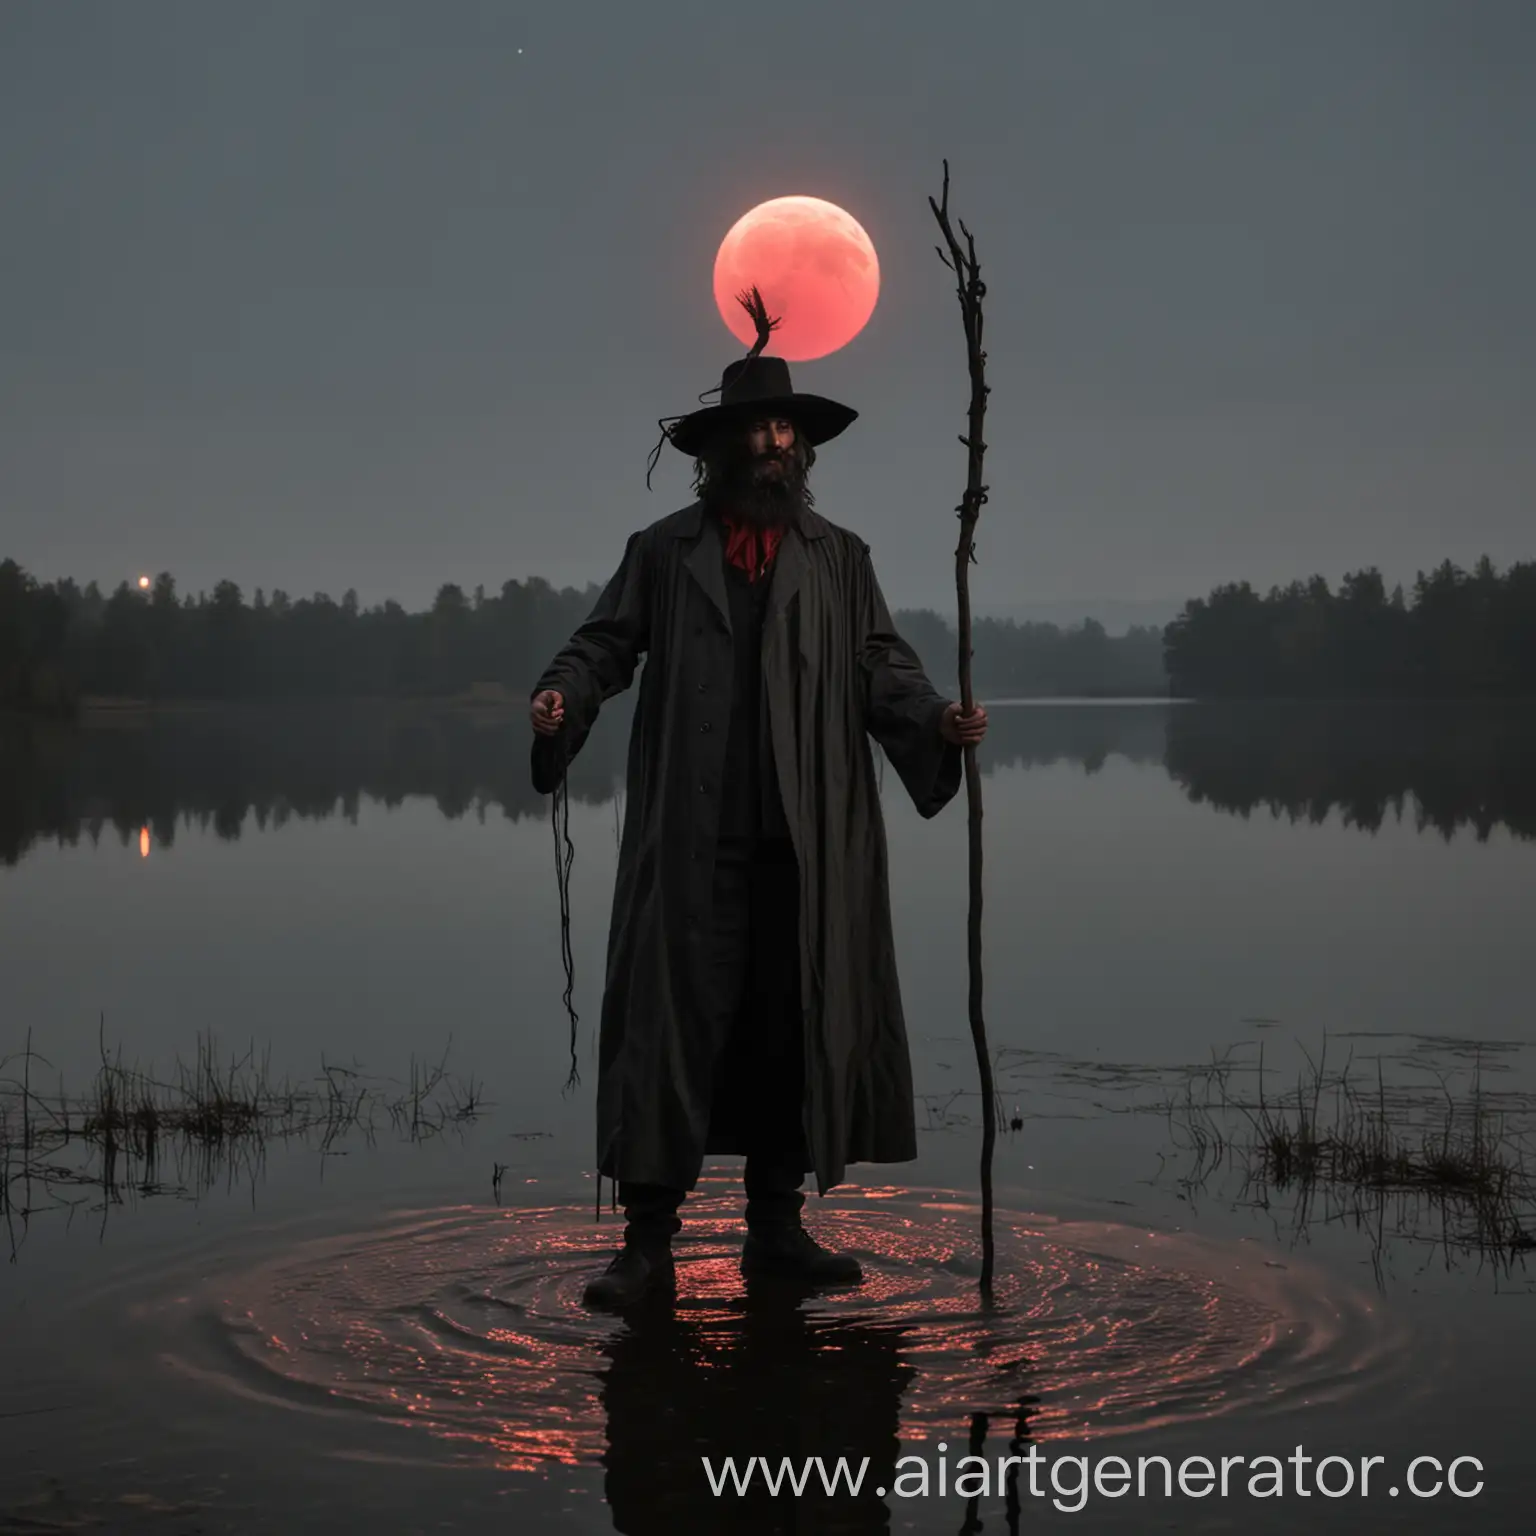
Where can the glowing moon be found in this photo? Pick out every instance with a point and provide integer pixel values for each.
(815, 267)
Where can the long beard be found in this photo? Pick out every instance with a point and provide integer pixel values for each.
(746, 495)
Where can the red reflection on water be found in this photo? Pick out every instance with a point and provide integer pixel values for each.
(468, 1324)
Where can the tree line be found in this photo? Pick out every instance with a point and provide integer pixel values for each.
(61, 643)
(1462, 634)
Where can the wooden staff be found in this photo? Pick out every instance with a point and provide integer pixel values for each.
(962, 262)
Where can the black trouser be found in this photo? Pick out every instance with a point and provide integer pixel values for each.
(752, 1004)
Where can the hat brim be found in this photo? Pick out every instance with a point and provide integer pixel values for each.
(817, 419)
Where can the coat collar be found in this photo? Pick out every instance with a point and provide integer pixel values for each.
(705, 560)
(688, 523)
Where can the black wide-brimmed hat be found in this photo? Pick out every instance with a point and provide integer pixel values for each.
(757, 387)
(751, 388)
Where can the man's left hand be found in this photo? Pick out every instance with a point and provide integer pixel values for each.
(961, 729)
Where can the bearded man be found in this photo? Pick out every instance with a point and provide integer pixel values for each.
(751, 1004)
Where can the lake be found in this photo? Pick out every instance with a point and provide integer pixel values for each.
(1258, 984)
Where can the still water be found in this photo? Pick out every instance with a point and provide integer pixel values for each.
(1190, 910)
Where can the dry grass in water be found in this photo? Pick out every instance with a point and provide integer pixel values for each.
(1445, 1165)
(207, 1122)
(1411, 1145)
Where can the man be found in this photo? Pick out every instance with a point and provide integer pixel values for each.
(752, 1003)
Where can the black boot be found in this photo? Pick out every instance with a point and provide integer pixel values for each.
(786, 1249)
(644, 1263)
(636, 1270)
(777, 1244)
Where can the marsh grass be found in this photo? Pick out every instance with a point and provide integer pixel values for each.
(1444, 1163)
(1418, 1143)
(209, 1121)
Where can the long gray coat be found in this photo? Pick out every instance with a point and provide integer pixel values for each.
(835, 673)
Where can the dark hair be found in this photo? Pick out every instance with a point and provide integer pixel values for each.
(727, 450)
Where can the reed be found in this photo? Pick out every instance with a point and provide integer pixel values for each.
(208, 1119)
(1446, 1165)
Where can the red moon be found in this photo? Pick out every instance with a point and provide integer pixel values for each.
(815, 268)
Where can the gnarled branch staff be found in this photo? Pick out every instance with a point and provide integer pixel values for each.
(961, 260)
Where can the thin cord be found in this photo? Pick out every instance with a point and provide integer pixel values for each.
(560, 820)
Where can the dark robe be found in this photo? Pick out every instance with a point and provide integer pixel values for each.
(834, 674)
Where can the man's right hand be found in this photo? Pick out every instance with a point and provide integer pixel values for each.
(547, 712)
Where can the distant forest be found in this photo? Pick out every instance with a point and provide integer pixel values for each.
(60, 643)
(1462, 634)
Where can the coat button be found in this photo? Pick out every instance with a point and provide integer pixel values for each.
(703, 787)
(705, 728)
(701, 687)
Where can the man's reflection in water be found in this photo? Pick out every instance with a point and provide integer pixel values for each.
(752, 1376)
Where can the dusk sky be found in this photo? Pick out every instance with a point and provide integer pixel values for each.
(383, 295)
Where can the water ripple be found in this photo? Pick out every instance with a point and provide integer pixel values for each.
(467, 1325)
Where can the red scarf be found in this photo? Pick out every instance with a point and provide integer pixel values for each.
(750, 547)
